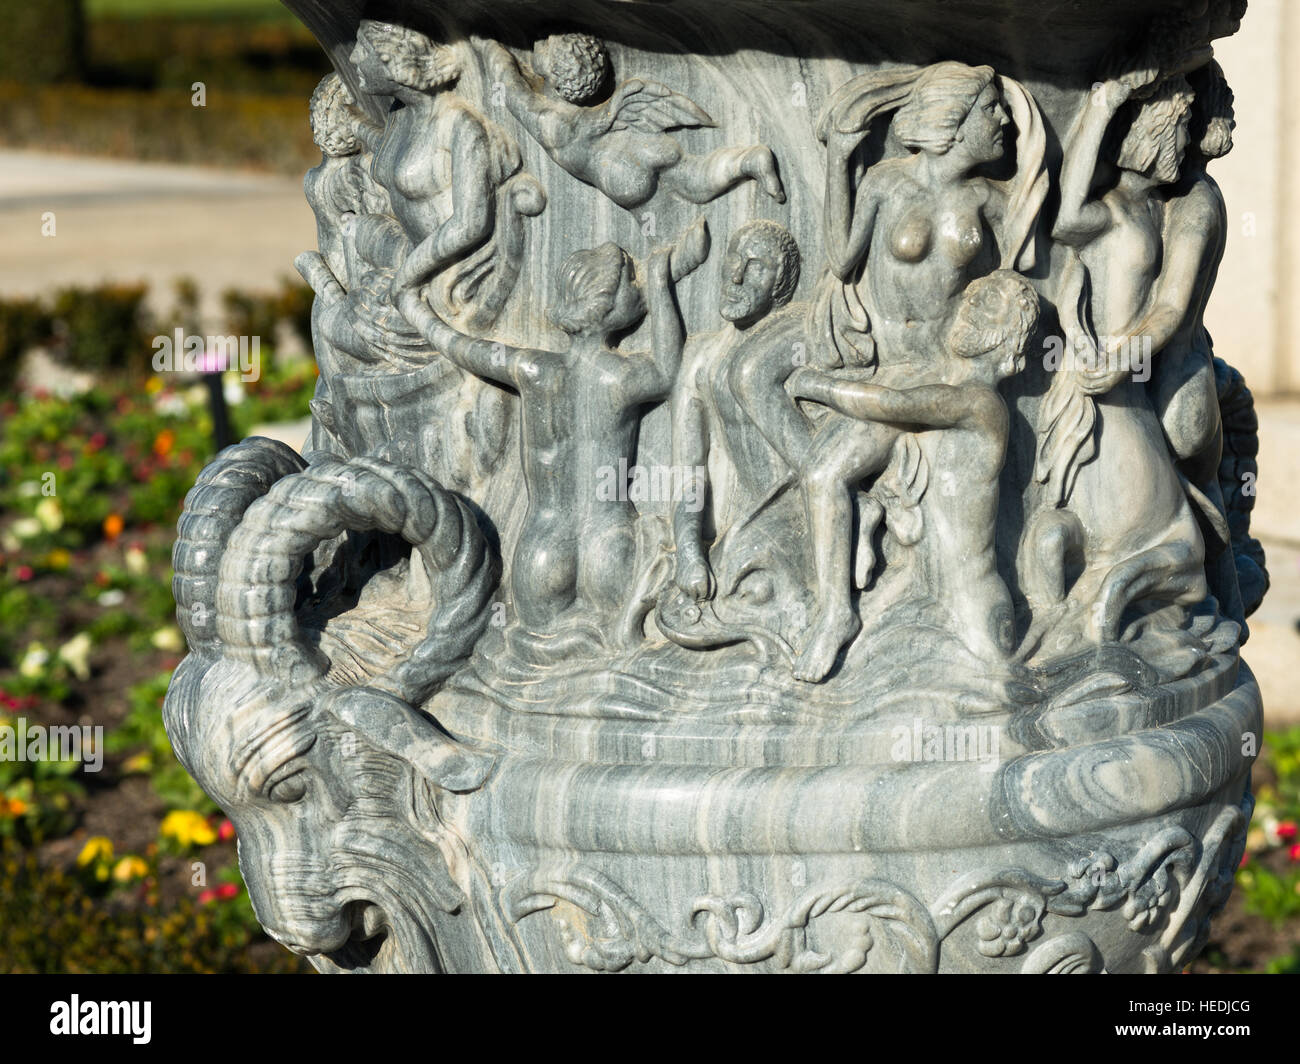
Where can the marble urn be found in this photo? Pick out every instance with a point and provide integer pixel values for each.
(890, 621)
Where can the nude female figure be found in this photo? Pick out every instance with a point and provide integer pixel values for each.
(917, 229)
(453, 177)
(580, 412)
(621, 146)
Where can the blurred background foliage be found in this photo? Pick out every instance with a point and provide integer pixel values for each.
(117, 77)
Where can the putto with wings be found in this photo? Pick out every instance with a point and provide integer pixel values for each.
(620, 146)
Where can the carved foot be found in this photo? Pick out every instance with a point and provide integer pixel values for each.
(760, 164)
(831, 629)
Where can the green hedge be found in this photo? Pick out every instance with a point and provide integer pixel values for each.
(41, 40)
(243, 130)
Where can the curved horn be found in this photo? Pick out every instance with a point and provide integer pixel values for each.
(213, 508)
(256, 589)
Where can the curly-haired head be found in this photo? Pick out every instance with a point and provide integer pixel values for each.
(1213, 118)
(334, 118)
(996, 310)
(774, 242)
(938, 104)
(589, 283)
(1152, 138)
(575, 64)
(411, 58)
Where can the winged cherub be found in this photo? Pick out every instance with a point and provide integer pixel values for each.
(620, 146)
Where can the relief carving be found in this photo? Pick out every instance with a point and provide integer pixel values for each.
(936, 431)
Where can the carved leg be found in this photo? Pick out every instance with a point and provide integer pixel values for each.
(702, 178)
(1171, 572)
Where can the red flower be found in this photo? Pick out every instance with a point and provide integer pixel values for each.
(227, 891)
(225, 831)
(24, 573)
(207, 897)
(1245, 860)
(1294, 851)
(1286, 830)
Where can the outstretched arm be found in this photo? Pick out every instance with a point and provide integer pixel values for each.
(521, 97)
(473, 211)
(931, 405)
(653, 378)
(1079, 219)
(313, 269)
(487, 359)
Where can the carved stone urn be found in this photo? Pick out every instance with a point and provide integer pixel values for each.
(772, 503)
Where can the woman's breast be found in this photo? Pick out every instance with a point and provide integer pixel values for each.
(957, 236)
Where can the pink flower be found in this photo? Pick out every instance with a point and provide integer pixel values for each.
(1294, 851)
(227, 891)
(207, 897)
(1286, 830)
(225, 831)
(24, 573)
(1245, 860)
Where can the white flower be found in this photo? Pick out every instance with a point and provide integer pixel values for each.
(233, 388)
(75, 653)
(169, 404)
(137, 564)
(168, 638)
(26, 528)
(34, 661)
(115, 597)
(49, 512)
(29, 488)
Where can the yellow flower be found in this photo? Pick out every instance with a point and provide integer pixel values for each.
(188, 828)
(58, 559)
(153, 385)
(129, 868)
(97, 848)
(75, 653)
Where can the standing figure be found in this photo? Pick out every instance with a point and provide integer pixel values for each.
(580, 411)
(759, 275)
(1132, 521)
(621, 146)
(984, 345)
(453, 177)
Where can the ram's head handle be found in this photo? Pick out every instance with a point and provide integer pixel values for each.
(308, 734)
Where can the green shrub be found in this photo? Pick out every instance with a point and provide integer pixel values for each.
(42, 41)
(103, 329)
(23, 324)
(253, 131)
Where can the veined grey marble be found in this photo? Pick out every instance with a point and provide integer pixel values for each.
(772, 503)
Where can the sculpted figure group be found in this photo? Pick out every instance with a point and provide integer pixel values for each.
(821, 443)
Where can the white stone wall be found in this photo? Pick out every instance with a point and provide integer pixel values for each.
(1254, 314)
